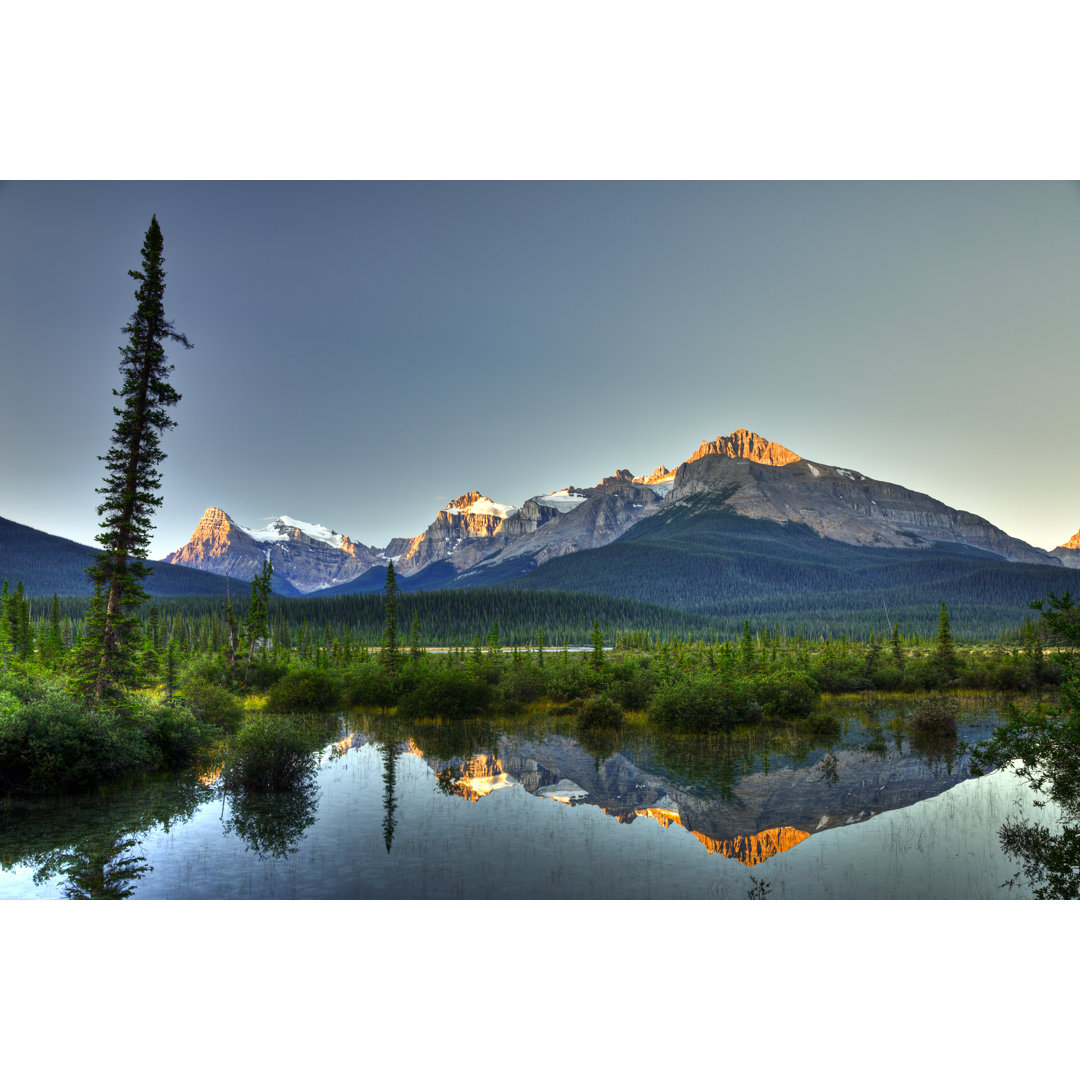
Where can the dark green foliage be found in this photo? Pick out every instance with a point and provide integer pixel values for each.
(700, 703)
(597, 646)
(51, 741)
(370, 685)
(1041, 744)
(599, 712)
(212, 704)
(255, 625)
(786, 693)
(305, 690)
(451, 693)
(934, 717)
(271, 753)
(389, 655)
(107, 662)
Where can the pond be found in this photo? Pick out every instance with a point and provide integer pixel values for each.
(845, 807)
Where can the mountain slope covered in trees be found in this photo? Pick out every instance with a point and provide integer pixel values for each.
(48, 564)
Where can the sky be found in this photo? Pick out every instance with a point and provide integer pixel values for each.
(365, 352)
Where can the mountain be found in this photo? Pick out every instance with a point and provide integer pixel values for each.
(308, 557)
(742, 521)
(1069, 552)
(48, 564)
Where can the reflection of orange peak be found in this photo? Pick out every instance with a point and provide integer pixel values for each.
(210, 777)
(749, 850)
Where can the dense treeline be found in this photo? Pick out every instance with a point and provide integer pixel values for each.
(454, 616)
(202, 671)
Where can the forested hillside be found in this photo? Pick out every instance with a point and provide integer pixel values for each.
(48, 564)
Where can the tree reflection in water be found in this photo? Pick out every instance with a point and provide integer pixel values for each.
(1041, 744)
(89, 845)
(389, 752)
(272, 824)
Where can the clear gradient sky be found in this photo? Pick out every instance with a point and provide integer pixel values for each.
(365, 352)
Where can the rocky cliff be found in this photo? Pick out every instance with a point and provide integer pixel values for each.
(841, 504)
(1069, 552)
(309, 557)
(757, 477)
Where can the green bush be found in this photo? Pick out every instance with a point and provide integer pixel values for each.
(178, 736)
(786, 693)
(448, 692)
(370, 685)
(599, 712)
(934, 717)
(54, 742)
(305, 690)
(271, 753)
(699, 703)
(212, 704)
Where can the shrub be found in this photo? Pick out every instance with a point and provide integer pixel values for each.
(178, 736)
(786, 693)
(52, 741)
(446, 692)
(700, 703)
(934, 717)
(212, 704)
(306, 690)
(370, 685)
(599, 711)
(271, 753)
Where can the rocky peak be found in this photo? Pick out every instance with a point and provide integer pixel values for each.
(213, 517)
(660, 473)
(621, 476)
(1074, 543)
(746, 444)
(472, 502)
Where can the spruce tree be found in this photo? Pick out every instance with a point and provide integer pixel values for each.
(256, 623)
(597, 646)
(944, 655)
(108, 664)
(415, 648)
(389, 654)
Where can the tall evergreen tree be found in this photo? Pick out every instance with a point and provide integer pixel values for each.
(109, 661)
(256, 624)
(597, 645)
(389, 654)
(944, 654)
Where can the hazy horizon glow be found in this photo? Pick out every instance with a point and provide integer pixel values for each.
(366, 352)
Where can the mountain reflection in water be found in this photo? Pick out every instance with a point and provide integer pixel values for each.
(738, 804)
(376, 820)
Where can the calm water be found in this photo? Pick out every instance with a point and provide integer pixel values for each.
(844, 808)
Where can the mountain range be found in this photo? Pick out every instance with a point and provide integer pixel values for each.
(474, 540)
(742, 526)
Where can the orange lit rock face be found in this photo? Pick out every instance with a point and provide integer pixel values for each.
(746, 444)
(749, 850)
(1074, 543)
(658, 474)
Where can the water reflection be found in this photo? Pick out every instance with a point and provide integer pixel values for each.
(422, 793)
(86, 846)
(746, 794)
(389, 758)
(272, 825)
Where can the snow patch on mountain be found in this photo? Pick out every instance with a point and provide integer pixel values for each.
(483, 505)
(561, 500)
(282, 528)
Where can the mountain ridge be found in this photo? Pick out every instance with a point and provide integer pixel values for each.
(768, 481)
